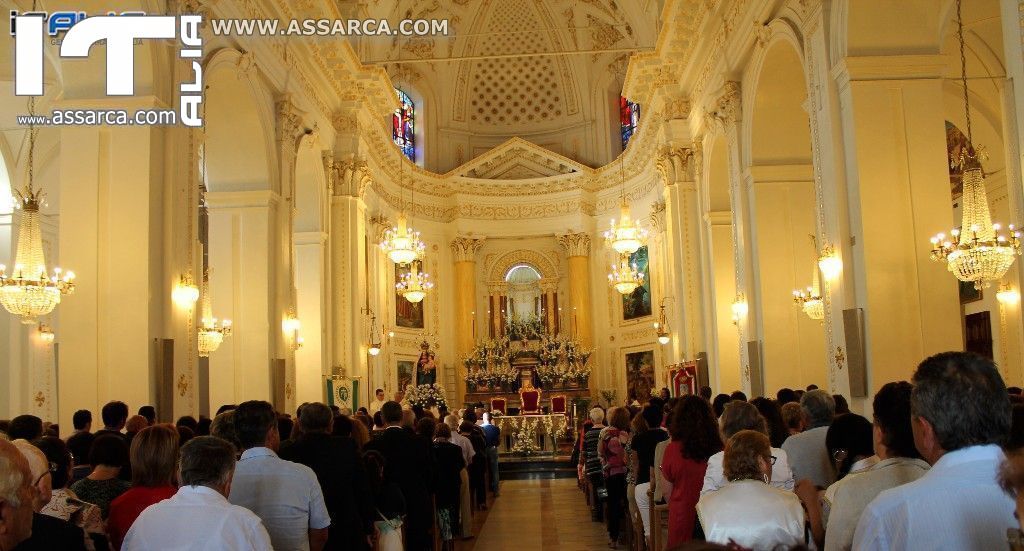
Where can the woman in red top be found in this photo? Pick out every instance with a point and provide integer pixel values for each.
(154, 456)
(695, 438)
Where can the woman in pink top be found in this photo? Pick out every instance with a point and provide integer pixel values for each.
(695, 438)
(154, 456)
(612, 450)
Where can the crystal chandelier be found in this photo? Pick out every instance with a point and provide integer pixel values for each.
(28, 291)
(414, 284)
(809, 300)
(625, 277)
(626, 236)
(211, 330)
(975, 252)
(401, 243)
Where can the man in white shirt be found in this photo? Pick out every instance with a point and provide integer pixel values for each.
(960, 414)
(807, 454)
(285, 495)
(377, 402)
(198, 516)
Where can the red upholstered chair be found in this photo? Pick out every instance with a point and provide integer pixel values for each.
(498, 404)
(558, 404)
(530, 400)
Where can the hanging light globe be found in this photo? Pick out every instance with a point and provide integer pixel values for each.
(624, 277)
(414, 284)
(402, 244)
(626, 236)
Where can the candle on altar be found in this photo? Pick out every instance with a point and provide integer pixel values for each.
(575, 327)
(474, 325)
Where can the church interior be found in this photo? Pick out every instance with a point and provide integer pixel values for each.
(557, 204)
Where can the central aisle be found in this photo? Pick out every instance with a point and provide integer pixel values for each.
(539, 515)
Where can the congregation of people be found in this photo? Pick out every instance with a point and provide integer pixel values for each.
(936, 467)
(386, 478)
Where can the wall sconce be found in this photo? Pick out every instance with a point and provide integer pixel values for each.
(373, 348)
(185, 293)
(661, 328)
(45, 333)
(829, 263)
(1007, 296)
(291, 326)
(740, 308)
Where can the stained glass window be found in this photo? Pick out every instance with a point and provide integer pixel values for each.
(403, 125)
(629, 116)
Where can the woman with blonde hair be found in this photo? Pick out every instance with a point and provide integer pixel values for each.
(747, 511)
(154, 458)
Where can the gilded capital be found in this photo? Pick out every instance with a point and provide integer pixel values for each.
(289, 120)
(548, 285)
(347, 176)
(673, 164)
(575, 244)
(726, 109)
(464, 248)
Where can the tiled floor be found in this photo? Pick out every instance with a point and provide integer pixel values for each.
(539, 515)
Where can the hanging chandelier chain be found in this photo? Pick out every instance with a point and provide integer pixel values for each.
(963, 71)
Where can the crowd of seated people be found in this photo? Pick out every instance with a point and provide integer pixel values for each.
(249, 478)
(935, 464)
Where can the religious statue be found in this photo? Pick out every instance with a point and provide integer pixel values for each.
(426, 369)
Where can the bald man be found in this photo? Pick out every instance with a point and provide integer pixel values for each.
(16, 495)
(46, 532)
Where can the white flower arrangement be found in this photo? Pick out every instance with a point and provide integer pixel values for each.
(425, 396)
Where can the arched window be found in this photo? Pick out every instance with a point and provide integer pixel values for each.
(403, 125)
(629, 116)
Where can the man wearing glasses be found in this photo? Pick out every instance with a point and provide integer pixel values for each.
(46, 532)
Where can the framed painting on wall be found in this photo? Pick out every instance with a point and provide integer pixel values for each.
(406, 370)
(407, 314)
(638, 303)
(639, 375)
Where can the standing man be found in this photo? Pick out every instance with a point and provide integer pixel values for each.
(378, 401)
(285, 495)
(492, 437)
(960, 414)
(410, 465)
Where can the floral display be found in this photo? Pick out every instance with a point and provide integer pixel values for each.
(425, 396)
(560, 361)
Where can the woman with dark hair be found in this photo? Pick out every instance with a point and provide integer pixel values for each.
(842, 406)
(64, 504)
(695, 438)
(833, 514)
(449, 461)
(108, 455)
(850, 444)
(154, 457)
(769, 409)
(644, 443)
(388, 502)
(425, 429)
(747, 511)
(612, 450)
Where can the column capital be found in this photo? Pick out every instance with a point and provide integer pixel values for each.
(289, 120)
(575, 244)
(674, 163)
(548, 285)
(726, 109)
(346, 177)
(497, 288)
(464, 248)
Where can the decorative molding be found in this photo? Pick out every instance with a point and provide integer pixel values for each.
(504, 262)
(464, 248)
(575, 244)
(657, 217)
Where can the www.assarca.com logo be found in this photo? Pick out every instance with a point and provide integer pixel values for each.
(120, 33)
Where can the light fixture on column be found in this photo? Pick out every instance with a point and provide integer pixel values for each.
(661, 328)
(185, 293)
(975, 252)
(740, 308)
(373, 348)
(211, 330)
(291, 325)
(626, 236)
(1007, 296)
(45, 333)
(829, 263)
(625, 277)
(414, 284)
(809, 300)
(29, 291)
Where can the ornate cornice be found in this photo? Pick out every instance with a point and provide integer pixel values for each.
(575, 244)
(464, 248)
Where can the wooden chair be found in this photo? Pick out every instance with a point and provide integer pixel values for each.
(530, 400)
(559, 404)
(498, 404)
(658, 539)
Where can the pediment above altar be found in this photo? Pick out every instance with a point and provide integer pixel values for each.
(518, 159)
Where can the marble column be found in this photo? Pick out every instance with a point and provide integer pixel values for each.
(464, 255)
(577, 249)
